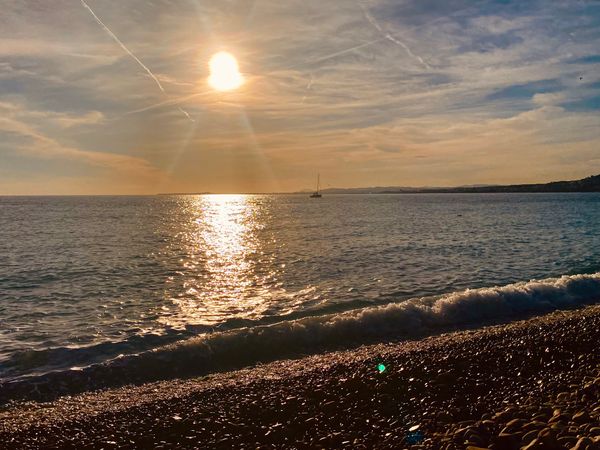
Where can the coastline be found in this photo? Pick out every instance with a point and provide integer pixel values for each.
(495, 387)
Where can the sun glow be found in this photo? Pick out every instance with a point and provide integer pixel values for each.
(224, 72)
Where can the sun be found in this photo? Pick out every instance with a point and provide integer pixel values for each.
(224, 72)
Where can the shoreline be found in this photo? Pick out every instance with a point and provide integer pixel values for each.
(238, 348)
(495, 387)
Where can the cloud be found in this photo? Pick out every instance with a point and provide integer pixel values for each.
(500, 25)
(370, 92)
(548, 98)
(30, 47)
(37, 144)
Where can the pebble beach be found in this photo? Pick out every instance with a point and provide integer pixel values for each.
(532, 384)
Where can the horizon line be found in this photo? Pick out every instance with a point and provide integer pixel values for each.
(409, 190)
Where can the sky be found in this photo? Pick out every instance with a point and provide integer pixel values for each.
(111, 97)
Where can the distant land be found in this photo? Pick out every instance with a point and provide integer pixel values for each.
(589, 184)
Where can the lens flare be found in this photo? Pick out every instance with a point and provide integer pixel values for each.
(224, 72)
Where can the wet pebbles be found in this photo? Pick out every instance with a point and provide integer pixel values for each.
(529, 385)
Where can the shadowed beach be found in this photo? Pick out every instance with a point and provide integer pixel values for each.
(529, 384)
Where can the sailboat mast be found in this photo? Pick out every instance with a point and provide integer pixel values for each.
(317, 194)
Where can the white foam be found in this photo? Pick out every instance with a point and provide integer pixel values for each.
(412, 318)
(243, 347)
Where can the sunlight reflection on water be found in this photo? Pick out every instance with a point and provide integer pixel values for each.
(223, 251)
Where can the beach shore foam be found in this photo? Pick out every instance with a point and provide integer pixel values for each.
(529, 383)
(244, 347)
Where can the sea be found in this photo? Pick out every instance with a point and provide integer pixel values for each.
(163, 286)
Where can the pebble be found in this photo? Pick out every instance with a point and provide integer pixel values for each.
(465, 394)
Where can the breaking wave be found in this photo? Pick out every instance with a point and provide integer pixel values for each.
(242, 347)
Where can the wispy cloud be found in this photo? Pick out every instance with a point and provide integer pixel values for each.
(308, 87)
(370, 91)
(14, 121)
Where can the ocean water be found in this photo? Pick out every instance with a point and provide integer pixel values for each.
(203, 280)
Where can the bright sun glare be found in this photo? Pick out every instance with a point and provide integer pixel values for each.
(224, 72)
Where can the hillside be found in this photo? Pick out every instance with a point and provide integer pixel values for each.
(589, 184)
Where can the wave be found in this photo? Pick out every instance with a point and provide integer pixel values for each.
(238, 348)
(35, 362)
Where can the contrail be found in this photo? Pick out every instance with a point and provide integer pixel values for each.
(185, 113)
(405, 47)
(343, 52)
(130, 53)
(118, 41)
(330, 56)
(389, 37)
(170, 101)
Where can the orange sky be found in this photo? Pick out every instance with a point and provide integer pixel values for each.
(368, 93)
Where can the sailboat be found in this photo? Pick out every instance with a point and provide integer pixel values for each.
(316, 194)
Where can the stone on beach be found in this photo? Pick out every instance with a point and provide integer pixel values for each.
(465, 390)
